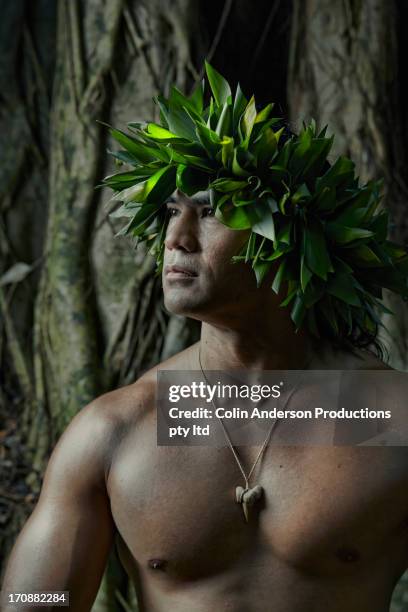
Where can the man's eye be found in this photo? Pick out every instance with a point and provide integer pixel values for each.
(210, 212)
(207, 212)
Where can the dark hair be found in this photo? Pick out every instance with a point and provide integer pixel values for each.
(357, 338)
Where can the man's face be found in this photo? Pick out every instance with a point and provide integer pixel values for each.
(196, 240)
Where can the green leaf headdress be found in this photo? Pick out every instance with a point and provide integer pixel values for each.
(326, 235)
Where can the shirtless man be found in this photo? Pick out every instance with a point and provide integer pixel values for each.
(332, 535)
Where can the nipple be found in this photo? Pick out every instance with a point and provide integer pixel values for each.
(157, 564)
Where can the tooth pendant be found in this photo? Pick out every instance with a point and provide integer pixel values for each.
(247, 497)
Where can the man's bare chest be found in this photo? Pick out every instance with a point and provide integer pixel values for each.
(324, 509)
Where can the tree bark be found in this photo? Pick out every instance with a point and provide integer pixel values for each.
(98, 318)
(343, 72)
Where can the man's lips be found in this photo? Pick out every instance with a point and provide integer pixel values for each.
(179, 271)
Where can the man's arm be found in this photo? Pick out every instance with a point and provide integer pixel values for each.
(65, 543)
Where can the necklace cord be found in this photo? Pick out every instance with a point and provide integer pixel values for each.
(266, 441)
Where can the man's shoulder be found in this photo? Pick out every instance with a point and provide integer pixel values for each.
(132, 401)
(369, 361)
(357, 359)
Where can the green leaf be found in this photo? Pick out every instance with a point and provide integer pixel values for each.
(139, 151)
(261, 268)
(209, 139)
(140, 220)
(161, 134)
(227, 151)
(248, 118)
(188, 148)
(266, 146)
(289, 297)
(126, 210)
(318, 153)
(364, 256)
(196, 98)
(315, 249)
(238, 199)
(323, 132)
(123, 180)
(282, 159)
(300, 154)
(342, 287)
(314, 291)
(282, 249)
(396, 251)
(199, 162)
(351, 216)
(216, 197)
(379, 225)
(305, 273)
(326, 199)
(277, 174)
(237, 168)
(250, 250)
(240, 103)
(234, 217)
(123, 157)
(301, 194)
(212, 116)
(224, 122)
(227, 185)
(342, 266)
(277, 281)
(161, 102)
(138, 126)
(124, 230)
(181, 124)
(135, 193)
(340, 173)
(282, 202)
(298, 311)
(219, 86)
(343, 235)
(190, 180)
(284, 234)
(264, 113)
(178, 102)
(265, 226)
(161, 185)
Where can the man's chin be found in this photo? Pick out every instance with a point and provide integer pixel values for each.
(177, 308)
(182, 305)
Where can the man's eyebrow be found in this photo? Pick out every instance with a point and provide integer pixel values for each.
(202, 200)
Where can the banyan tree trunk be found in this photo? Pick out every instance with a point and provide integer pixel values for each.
(343, 71)
(94, 306)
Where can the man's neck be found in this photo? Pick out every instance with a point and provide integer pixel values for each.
(224, 348)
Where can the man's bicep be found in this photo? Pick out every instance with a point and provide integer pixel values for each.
(65, 542)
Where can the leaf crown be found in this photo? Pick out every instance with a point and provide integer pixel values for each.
(327, 234)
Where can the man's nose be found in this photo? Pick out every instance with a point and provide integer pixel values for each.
(181, 233)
